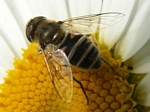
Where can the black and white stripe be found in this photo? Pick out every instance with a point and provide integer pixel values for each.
(85, 54)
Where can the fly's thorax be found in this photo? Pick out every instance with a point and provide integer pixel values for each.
(48, 31)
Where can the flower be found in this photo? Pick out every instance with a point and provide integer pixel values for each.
(27, 86)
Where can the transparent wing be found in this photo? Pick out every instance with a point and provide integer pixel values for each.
(60, 73)
(89, 23)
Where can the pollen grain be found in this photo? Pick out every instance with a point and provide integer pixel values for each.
(28, 87)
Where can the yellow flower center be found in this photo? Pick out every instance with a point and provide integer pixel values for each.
(27, 88)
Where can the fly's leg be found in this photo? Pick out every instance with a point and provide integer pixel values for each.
(82, 89)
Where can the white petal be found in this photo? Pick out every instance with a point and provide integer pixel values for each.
(109, 36)
(83, 7)
(79, 7)
(141, 60)
(10, 30)
(54, 9)
(142, 91)
(96, 6)
(136, 34)
(6, 53)
(21, 13)
(6, 58)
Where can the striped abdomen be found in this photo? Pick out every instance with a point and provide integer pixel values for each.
(81, 52)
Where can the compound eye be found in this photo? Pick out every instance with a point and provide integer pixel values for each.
(32, 26)
(29, 33)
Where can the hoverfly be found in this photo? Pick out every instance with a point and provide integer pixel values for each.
(68, 42)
